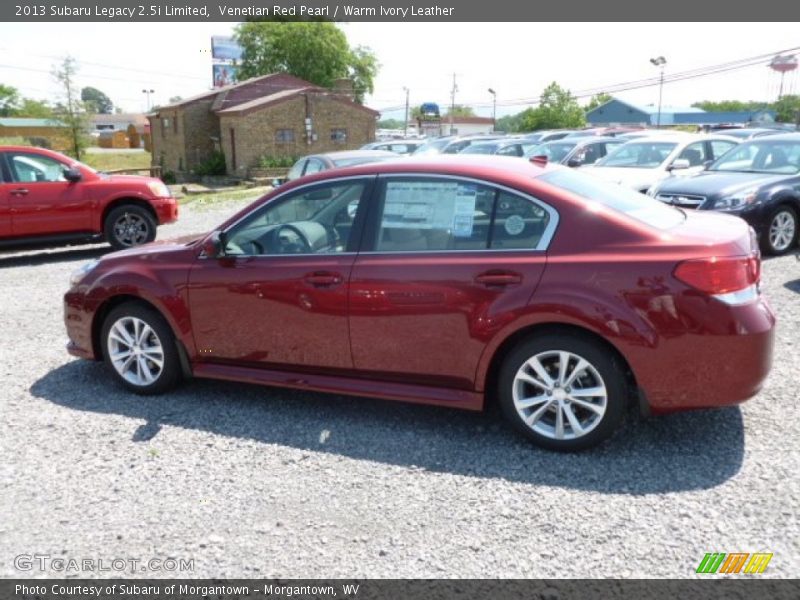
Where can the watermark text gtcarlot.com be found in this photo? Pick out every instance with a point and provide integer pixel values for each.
(47, 562)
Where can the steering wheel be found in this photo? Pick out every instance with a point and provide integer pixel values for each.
(300, 246)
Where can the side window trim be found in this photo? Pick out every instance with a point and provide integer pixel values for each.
(373, 225)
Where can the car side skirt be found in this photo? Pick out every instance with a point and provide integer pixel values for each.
(417, 394)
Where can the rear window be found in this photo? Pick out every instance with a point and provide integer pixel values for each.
(615, 196)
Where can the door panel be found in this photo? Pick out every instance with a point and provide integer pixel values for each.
(41, 202)
(272, 310)
(449, 263)
(279, 295)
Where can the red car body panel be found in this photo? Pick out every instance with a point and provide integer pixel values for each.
(422, 328)
(63, 207)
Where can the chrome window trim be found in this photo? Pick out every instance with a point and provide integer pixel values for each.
(544, 241)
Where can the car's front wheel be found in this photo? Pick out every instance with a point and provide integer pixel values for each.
(564, 392)
(140, 349)
(781, 231)
(129, 225)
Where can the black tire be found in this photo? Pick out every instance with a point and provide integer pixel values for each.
(603, 365)
(768, 244)
(129, 225)
(169, 373)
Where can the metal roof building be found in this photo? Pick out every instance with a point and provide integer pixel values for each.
(619, 112)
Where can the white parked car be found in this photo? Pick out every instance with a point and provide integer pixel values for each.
(641, 163)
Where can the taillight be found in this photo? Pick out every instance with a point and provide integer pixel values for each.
(718, 276)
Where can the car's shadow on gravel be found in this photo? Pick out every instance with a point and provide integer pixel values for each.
(27, 257)
(688, 451)
(793, 286)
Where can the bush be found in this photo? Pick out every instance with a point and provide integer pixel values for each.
(213, 166)
(276, 162)
(168, 178)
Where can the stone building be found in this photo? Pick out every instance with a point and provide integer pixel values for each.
(270, 116)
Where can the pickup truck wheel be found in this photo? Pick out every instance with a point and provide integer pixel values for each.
(129, 225)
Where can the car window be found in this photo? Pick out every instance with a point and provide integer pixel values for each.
(695, 153)
(641, 155)
(35, 168)
(297, 170)
(308, 221)
(518, 223)
(512, 150)
(456, 147)
(426, 214)
(762, 156)
(618, 197)
(554, 151)
(591, 153)
(719, 148)
(314, 165)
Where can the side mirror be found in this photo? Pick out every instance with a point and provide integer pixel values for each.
(574, 162)
(72, 175)
(214, 245)
(679, 164)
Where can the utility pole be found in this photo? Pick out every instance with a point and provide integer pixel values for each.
(147, 92)
(494, 109)
(405, 122)
(659, 62)
(453, 102)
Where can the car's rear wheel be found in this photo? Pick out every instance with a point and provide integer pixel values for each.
(139, 347)
(781, 232)
(129, 225)
(564, 392)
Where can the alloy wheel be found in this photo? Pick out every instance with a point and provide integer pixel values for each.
(559, 395)
(135, 351)
(782, 230)
(131, 229)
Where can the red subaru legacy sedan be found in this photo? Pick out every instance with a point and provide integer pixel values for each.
(454, 281)
(48, 198)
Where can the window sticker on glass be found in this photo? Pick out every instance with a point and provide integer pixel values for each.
(430, 205)
(514, 225)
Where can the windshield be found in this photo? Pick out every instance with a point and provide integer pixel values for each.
(554, 151)
(480, 149)
(762, 156)
(638, 155)
(620, 198)
(433, 147)
(358, 160)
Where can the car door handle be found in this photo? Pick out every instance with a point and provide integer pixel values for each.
(19, 192)
(493, 278)
(323, 279)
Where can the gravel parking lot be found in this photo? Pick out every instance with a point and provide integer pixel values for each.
(256, 482)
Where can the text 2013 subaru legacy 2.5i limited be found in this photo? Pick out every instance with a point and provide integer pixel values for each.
(454, 281)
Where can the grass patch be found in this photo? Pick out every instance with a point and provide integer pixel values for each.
(214, 198)
(107, 161)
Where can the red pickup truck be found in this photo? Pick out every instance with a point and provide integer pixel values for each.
(49, 198)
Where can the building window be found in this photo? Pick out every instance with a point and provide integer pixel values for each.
(164, 125)
(339, 136)
(284, 136)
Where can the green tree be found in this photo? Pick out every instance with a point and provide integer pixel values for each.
(729, 105)
(459, 110)
(315, 51)
(70, 110)
(787, 109)
(9, 100)
(389, 124)
(35, 109)
(557, 109)
(96, 101)
(598, 100)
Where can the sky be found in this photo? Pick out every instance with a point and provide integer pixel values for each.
(517, 60)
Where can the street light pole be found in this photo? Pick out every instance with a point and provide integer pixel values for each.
(494, 109)
(659, 62)
(405, 122)
(147, 93)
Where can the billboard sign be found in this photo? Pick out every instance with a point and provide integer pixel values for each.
(225, 48)
(223, 74)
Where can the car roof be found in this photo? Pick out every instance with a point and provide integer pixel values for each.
(778, 137)
(344, 154)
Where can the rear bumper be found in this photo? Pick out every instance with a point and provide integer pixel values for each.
(721, 362)
(166, 210)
